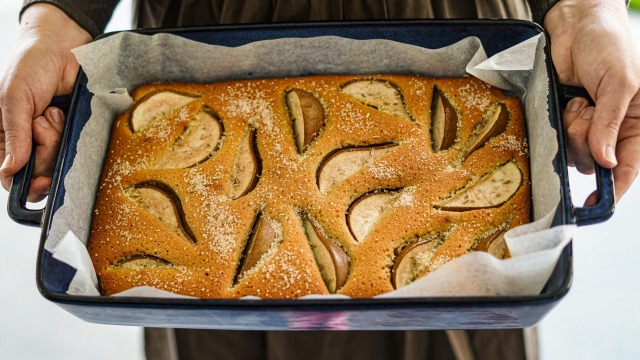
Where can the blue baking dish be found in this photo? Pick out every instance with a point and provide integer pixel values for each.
(53, 277)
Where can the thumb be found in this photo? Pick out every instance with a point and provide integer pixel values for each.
(16, 130)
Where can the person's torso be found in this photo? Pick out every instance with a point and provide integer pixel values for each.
(177, 13)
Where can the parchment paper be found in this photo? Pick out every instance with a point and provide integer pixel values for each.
(117, 64)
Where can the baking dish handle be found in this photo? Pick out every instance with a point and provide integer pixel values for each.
(17, 203)
(604, 207)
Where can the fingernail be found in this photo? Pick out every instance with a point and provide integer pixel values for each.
(45, 192)
(575, 104)
(587, 114)
(8, 160)
(610, 155)
(43, 122)
(57, 115)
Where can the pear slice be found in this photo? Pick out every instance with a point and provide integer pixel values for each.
(308, 117)
(380, 95)
(494, 244)
(341, 164)
(155, 105)
(491, 190)
(263, 238)
(494, 124)
(364, 213)
(196, 144)
(332, 260)
(413, 260)
(444, 122)
(247, 168)
(161, 202)
(142, 262)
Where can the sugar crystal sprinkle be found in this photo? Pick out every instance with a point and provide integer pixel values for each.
(287, 184)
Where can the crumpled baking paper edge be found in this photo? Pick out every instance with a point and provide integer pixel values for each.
(69, 249)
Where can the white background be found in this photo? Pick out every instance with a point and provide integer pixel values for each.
(598, 319)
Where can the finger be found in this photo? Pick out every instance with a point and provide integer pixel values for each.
(569, 115)
(6, 181)
(46, 136)
(3, 178)
(47, 141)
(55, 117)
(578, 141)
(626, 171)
(611, 107)
(16, 128)
(39, 188)
(628, 165)
(591, 199)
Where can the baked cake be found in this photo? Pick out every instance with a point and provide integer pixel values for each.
(281, 188)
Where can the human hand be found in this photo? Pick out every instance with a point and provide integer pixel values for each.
(592, 46)
(41, 67)
(47, 132)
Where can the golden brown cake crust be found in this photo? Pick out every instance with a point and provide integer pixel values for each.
(263, 208)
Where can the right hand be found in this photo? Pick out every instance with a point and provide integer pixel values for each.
(592, 46)
(41, 67)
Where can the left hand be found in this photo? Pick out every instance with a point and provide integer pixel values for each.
(592, 46)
